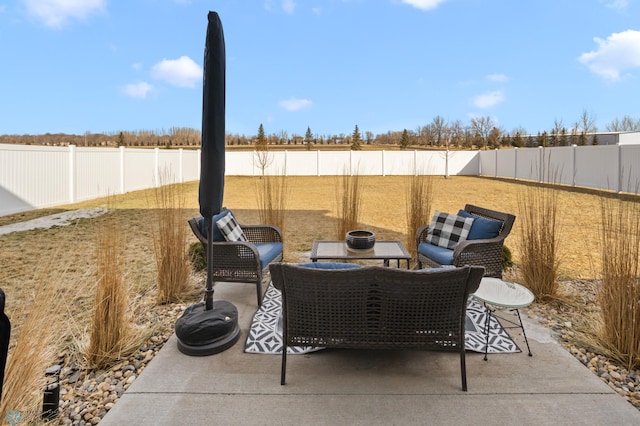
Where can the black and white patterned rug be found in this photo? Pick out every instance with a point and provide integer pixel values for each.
(265, 335)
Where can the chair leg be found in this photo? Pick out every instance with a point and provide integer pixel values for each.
(259, 290)
(283, 368)
(463, 370)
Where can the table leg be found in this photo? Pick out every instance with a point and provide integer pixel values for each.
(523, 333)
(486, 330)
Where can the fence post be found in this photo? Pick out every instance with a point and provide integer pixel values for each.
(496, 165)
(180, 169)
(620, 171)
(72, 173)
(541, 160)
(515, 163)
(318, 162)
(573, 165)
(156, 165)
(122, 182)
(384, 173)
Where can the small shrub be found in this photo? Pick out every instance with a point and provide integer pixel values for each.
(507, 260)
(197, 256)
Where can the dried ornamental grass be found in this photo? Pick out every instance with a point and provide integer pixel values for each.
(170, 244)
(539, 257)
(33, 348)
(619, 296)
(419, 202)
(110, 326)
(349, 202)
(272, 194)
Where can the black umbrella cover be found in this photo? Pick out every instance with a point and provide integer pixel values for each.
(211, 189)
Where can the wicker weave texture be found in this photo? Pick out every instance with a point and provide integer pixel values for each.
(486, 253)
(239, 261)
(375, 307)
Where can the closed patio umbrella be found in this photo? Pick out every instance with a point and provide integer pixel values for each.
(210, 327)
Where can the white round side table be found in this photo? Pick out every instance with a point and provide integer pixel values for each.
(498, 294)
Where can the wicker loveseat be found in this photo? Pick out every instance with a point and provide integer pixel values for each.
(375, 307)
(483, 246)
(242, 261)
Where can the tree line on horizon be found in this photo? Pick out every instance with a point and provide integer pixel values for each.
(480, 132)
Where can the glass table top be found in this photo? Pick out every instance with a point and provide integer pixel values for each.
(503, 293)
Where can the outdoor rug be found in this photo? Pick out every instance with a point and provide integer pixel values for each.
(265, 335)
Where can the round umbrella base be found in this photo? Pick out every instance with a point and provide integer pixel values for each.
(203, 332)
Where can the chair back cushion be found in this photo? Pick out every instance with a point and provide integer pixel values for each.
(203, 224)
(482, 229)
(447, 230)
(229, 228)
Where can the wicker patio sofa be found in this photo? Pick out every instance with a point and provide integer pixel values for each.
(242, 261)
(483, 246)
(375, 307)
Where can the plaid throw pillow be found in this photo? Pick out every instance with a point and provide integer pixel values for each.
(447, 230)
(230, 229)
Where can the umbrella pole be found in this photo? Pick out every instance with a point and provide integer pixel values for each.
(208, 292)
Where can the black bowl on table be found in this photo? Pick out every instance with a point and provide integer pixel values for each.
(360, 239)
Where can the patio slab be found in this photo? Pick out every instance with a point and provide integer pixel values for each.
(367, 387)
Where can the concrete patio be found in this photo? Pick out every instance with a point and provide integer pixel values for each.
(368, 388)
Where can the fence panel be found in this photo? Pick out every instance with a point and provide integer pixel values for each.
(139, 169)
(597, 167)
(37, 176)
(32, 177)
(629, 168)
(97, 173)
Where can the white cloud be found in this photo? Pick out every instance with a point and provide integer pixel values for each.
(138, 90)
(619, 52)
(619, 5)
(294, 104)
(424, 4)
(181, 72)
(288, 6)
(57, 13)
(498, 78)
(487, 100)
(137, 66)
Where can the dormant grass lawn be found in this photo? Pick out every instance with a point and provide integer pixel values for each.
(67, 254)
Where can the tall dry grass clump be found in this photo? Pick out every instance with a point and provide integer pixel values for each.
(349, 203)
(419, 202)
(170, 244)
(619, 296)
(539, 260)
(110, 332)
(272, 193)
(33, 348)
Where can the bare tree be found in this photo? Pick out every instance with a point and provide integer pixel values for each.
(481, 127)
(438, 127)
(626, 124)
(588, 122)
(262, 154)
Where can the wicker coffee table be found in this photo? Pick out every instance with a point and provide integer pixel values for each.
(338, 250)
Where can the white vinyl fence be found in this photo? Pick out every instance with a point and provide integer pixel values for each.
(34, 177)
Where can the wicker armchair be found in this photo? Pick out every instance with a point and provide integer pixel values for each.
(375, 308)
(239, 261)
(480, 252)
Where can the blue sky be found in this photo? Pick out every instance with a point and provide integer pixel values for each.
(76, 66)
